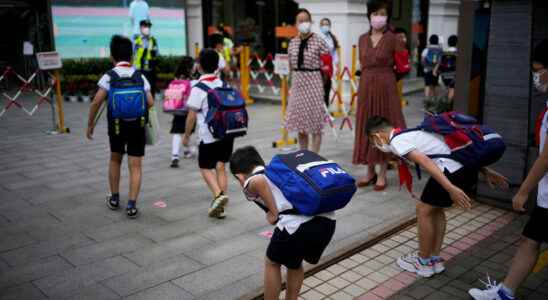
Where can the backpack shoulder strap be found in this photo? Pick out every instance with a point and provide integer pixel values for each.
(405, 131)
(113, 75)
(203, 87)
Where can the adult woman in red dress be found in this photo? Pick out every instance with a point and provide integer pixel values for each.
(377, 91)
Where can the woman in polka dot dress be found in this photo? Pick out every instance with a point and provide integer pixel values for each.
(306, 109)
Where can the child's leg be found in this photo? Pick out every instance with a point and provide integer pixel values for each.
(303, 140)
(135, 173)
(176, 146)
(316, 142)
(450, 93)
(381, 179)
(222, 180)
(272, 280)
(523, 263)
(441, 223)
(211, 180)
(295, 279)
(426, 220)
(114, 172)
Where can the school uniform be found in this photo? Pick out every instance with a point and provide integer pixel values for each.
(429, 78)
(210, 150)
(131, 136)
(433, 144)
(296, 237)
(535, 228)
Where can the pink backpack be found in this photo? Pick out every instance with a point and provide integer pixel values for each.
(176, 95)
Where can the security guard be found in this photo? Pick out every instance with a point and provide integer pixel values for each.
(145, 54)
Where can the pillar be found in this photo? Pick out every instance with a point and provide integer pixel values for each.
(194, 25)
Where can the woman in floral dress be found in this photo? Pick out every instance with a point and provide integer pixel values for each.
(306, 110)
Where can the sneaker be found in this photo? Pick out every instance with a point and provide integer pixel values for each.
(492, 292)
(132, 210)
(174, 163)
(217, 206)
(112, 203)
(411, 263)
(439, 265)
(188, 154)
(222, 214)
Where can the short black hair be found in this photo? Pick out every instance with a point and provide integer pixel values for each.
(121, 48)
(184, 69)
(146, 23)
(376, 124)
(400, 30)
(216, 39)
(375, 5)
(326, 19)
(303, 10)
(434, 39)
(244, 160)
(452, 41)
(540, 54)
(209, 60)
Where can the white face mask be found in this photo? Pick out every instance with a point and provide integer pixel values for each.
(537, 82)
(304, 27)
(145, 30)
(325, 29)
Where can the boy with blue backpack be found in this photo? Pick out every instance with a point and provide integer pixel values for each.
(220, 114)
(128, 97)
(430, 57)
(453, 149)
(299, 193)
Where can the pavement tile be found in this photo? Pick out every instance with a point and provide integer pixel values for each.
(312, 281)
(366, 283)
(23, 291)
(378, 277)
(164, 291)
(382, 291)
(341, 296)
(354, 290)
(363, 270)
(326, 288)
(351, 276)
(92, 292)
(370, 296)
(336, 269)
(339, 282)
(312, 295)
(33, 271)
(324, 275)
(348, 263)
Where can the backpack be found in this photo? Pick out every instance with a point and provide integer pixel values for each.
(227, 116)
(471, 144)
(312, 184)
(126, 98)
(448, 64)
(433, 55)
(176, 95)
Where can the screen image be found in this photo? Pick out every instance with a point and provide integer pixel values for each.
(83, 28)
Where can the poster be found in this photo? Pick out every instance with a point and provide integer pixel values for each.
(83, 28)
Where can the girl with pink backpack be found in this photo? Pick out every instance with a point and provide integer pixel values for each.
(175, 97)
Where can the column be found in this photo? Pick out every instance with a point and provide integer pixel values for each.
(194, 25)
(443, 18)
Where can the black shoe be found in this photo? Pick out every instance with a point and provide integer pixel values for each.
(132, 212)
(175, 163)
(113, 203)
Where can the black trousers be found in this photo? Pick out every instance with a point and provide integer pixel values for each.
(327, 91)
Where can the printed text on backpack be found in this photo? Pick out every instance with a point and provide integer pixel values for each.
(176, 95)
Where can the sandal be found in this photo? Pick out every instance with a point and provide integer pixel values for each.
(366, 183)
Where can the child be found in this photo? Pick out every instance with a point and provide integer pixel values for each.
(125, 135)
(217, 43)
(296, 237)
(534, 232)
(447, 66)
(449, 182)
(401, 34)
(183, 72)
(212, 153)
(429, 58)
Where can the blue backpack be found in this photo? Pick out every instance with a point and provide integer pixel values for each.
(432, 58)
(312, 184)
(227, 116)
(126, 97)
(471, 144)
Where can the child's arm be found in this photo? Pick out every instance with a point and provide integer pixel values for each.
(494, 179)
(99, 98)
(190, 120)
(150, 99)
(260, 187)
(540, 167)
(457, 195)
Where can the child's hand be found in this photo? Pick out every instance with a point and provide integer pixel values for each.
(271, 218)
(495, 179)
(89, 133)
(186, 140)
(460, 198)
(518, 202)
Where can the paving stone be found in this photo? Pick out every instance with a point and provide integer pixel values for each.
(166, 291)
(312, 281)
(366, 283)
(326, 288)
(33, 271)
(92, 292)
(23, 291)
(213, 253)
(312, 295)
(15, 241)
(420, 292)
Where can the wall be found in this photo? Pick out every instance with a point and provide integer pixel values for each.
(194, 25)
(443, 17)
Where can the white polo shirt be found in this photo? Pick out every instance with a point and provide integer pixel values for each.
(197, 101)
(542, 197)
(123, 69)
(427, 143)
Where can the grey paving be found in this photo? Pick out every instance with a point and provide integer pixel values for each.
(58, 240)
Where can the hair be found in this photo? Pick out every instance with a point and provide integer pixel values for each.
(304, 10)
(145, 23)
(398, 30)
(325, 19)
(434, 39)
(452, 41)
(121, 48)
(375, 5)
(215, 39)
(375, 124)
(244, 160)
(209, 60)
(223, 31)
(540, 54)
(184, 69)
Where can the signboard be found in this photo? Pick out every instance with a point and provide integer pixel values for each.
(49, 60)
(281, 64)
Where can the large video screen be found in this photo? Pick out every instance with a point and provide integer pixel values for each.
(83, 28)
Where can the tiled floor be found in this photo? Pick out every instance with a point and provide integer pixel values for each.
(373, 274)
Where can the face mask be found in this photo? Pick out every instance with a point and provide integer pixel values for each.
(537, 81)
(304, 27)
(378, 22)
(325, 29)
(145, 31)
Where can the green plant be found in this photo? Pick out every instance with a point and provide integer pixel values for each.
(438, 104)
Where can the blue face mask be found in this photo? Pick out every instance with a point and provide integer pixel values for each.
(325, 29)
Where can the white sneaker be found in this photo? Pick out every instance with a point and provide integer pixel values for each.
(411, 263)
(492, 292)
(439, 265)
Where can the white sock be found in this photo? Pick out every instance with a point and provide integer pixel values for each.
(176, 146)
(508, 291)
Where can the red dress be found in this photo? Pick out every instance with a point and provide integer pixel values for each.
(377, 93)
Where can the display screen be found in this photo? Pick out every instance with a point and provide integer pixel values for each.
(83, 28)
